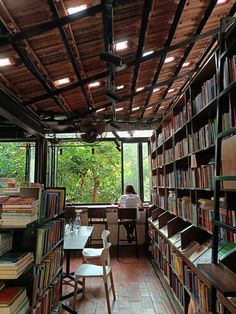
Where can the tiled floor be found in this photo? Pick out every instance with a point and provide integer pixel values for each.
(138, 290)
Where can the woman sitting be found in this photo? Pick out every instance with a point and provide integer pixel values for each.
(130, 200)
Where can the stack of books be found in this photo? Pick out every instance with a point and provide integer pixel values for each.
(13, 300)
(18, 211)
(13, 264)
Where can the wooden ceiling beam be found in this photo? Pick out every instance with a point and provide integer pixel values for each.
(173, 28)
(69, 50)
(147, 9)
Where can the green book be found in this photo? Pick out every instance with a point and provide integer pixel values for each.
(226, 249)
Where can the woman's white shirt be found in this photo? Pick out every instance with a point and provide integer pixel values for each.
(131, 200)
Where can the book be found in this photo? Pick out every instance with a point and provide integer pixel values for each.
(191, 248)
(204, 258)
(12, 299)
(12, 258)
(226, 249)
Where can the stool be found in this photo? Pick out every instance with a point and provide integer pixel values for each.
(97, 216)
(127, 215)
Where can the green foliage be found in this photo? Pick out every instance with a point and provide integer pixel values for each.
(90, 174)
(12, 160)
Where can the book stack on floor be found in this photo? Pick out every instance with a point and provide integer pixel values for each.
(13, 300)
(13, 264)
(18, 211)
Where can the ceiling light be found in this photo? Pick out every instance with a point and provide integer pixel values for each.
(147, 53)
(76, 9)
(156, 89)
(148, 108)
(94, 84)
(169, 59)
(111, 58)
(99, 110)
(171, 90)
(221, 2)
(186, 64)
(121, 45)
(119, 87)
(62, 81)
(138, 89)
(6, 61)
(135, 108)
(119, 109)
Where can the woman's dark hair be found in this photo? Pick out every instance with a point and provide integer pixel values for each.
(130, 189)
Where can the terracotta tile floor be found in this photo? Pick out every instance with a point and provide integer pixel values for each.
(138, 289)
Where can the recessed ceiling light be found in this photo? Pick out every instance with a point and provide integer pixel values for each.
(135, 108)
(119, 87)
(121, 45)
(6, 61)
(76, 9)
(94, 84)
(99, 110)
(138, 89)
(221, 1)
(169, 59)
(147, 53)
(156, 89)
(62, 81)
(171, 90)
(186, 64)
(119, 109)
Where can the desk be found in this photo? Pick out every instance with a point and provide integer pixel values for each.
(74, 242)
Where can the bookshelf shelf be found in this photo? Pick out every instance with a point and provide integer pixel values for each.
(220, 277)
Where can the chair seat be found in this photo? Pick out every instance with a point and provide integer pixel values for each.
(90, 270)
(92, 253)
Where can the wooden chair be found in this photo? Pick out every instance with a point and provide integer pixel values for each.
(127, 215)
(97, 216)
(91, 271)
(95, 253)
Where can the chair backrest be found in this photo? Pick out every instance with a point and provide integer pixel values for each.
(104, 236)
(97, 213)
(105, 257)
(70, 213)
(127, 213)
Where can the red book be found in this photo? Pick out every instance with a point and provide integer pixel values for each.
(9, 294)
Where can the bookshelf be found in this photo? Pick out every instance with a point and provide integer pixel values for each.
(185, 158)
(44, 239)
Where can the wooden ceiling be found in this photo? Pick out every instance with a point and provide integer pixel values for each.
(47, 44)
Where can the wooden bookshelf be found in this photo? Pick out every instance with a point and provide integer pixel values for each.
(42, 286)
(183, 154)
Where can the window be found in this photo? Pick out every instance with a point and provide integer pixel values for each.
(131, 165)
(90, 172)
(146, 173)
(17, 160)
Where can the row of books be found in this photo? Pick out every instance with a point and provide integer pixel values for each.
(169, 155)
(202, 177)
(49, 301)
(205, 136)
(181, 148)
(177, 287)
(207, 94)
(48, 236)
(46, 271)
(167, 130)
(52, 203)
(229, 71)
(179, 120)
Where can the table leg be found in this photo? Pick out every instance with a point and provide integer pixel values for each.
(68, 274)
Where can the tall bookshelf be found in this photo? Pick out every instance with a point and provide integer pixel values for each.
(183, 163)
(44, 239)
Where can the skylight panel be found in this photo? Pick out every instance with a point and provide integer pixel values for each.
(76, 9)
(121, 45)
